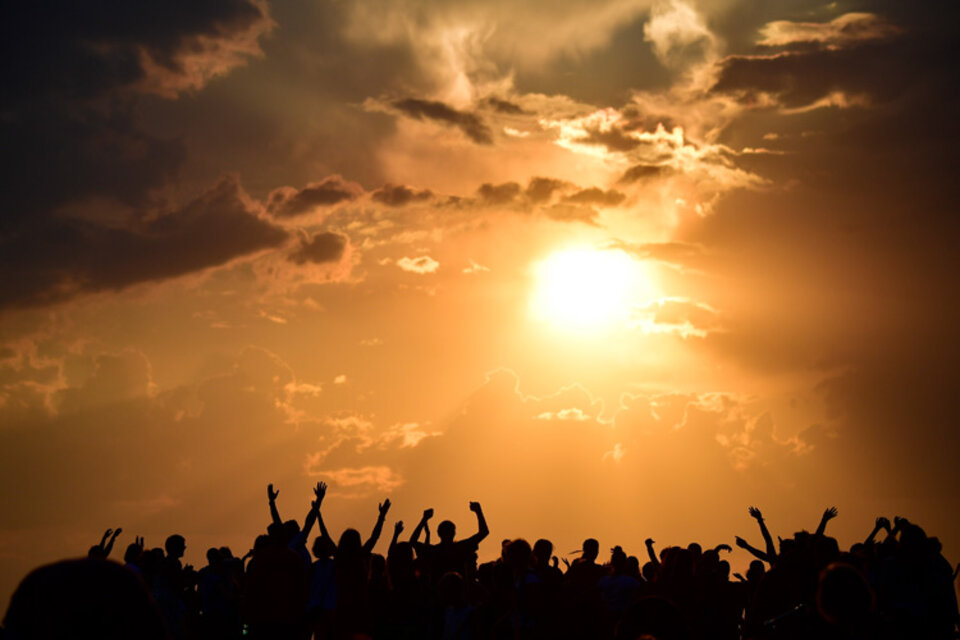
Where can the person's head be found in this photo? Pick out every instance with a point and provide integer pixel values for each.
(633, 566)
(591, 549)
(649, 571)
(447, 531)
(226, 553)
(542, 550)
(400, 560)
(175, 546)
(83, 599)
(290, 529)
(213, 557)
(323, 547)
(518, 555)
(756, 571)
(618, 559)
(350, 542)
(133, 553)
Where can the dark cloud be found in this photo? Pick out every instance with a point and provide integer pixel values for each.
(72, 72)
(504, 106)
(540, 189)
(400, 195)
(286, 201)
(499, 194)
(59, 259)
(469, 123)
(322, 247)
(642, 172)
(572, 213)
(596, 196)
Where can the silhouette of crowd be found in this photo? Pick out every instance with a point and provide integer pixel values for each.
(894, 585)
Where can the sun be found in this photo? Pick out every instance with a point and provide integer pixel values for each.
(587, 290)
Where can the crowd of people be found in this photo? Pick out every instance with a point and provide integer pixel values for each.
(893, 584)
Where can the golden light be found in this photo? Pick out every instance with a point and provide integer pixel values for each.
(588, 290)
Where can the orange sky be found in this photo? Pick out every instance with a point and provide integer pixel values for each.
(615, 268)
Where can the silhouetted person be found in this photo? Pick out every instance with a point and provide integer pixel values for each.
(89, 598)
(448, 555)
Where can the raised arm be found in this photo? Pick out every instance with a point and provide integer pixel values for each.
(881, 523)
(377, 528)
(648, 543)
(415, 536)
(743, 544)
(107, 549)
(768, 541)
(828, 514)
(318, 491)
(397, 530)
(272, 499)
(482, 530)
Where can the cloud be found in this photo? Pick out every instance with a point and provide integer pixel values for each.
(595, 196)
(642, 171)
(286, 202)
(677, 33)
(843, 30)
(57, 260)
(420, 264)
(676, 316)
(541, 189)
(320, 248)
(563, 212)
(400, 195)
(498, 194)
(71, 129)
(470, 124)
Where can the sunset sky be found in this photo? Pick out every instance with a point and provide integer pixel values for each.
(613, 268)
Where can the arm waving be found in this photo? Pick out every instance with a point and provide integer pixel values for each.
(377, 528)
(482, 530)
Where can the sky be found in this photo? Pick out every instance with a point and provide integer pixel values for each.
(615, 269)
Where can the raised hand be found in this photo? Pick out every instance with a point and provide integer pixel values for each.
(271, 494)
(427, 514)
(566, 563)
(384, 507)
(117, 532)
(723, 547)
(556, 562)
(829, 514)
(755, 513)
(139, 541)
(398, 528)
(743, 544)
(883, 523)
(475, 507)
(648, 541)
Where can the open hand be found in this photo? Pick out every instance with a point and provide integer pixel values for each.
(319, 491)
(384, 507)
(755, 513)
(398, 528)
(830, 513)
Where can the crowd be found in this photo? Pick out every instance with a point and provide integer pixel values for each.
(893, 584)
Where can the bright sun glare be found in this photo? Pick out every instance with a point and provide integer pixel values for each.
(587, 290)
